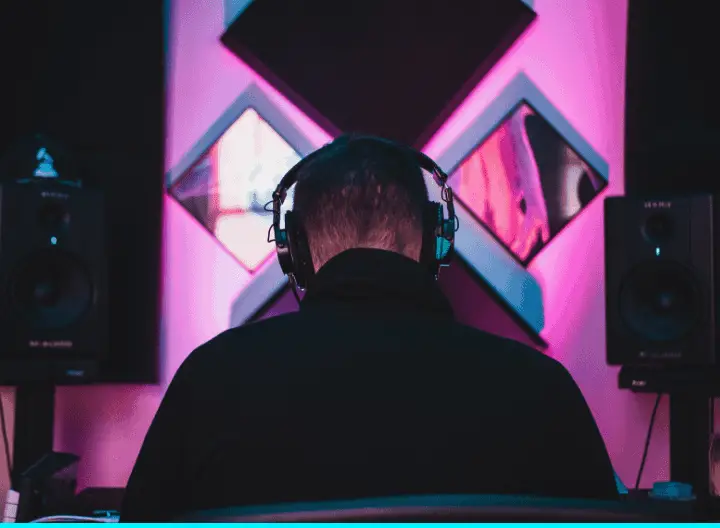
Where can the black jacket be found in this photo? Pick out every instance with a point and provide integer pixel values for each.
(370, 390)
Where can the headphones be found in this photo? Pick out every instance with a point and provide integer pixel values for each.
(292, 246)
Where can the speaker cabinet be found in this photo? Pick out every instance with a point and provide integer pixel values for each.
(53, 275)
(660, 281)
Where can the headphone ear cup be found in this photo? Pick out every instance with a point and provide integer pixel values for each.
(432, 221)
(443, 250)
(299, 249)
(282, 247)
(444, 245)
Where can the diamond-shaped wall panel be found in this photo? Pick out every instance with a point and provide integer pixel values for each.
(225, 179)
(524, 182)
(395, 68)
(228, 188)
(521, 172)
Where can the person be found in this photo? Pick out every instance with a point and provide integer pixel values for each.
(371, 389)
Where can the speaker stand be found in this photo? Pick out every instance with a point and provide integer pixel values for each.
(691, 429)
(692, 392)
(34, 426)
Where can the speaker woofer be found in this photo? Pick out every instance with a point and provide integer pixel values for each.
(660, 301)
(50, 289)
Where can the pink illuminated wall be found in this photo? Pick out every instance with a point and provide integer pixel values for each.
(574, 53)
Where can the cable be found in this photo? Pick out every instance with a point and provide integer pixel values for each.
(647, 441)
(74, 519)
(296, 294)
(6, 443)
(294, 288)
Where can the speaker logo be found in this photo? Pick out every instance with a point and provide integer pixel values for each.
(65, 344)
(56, 195)
(657, 205)
(672, 354)
(45, 168)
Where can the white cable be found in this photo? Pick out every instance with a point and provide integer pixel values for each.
(12, 499)
(74, 518)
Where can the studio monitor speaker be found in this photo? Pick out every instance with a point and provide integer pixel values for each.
(660, 281)
(53, 280)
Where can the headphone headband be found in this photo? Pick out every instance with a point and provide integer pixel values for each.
(291, 242)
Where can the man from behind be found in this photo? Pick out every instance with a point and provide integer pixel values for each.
(371, 389)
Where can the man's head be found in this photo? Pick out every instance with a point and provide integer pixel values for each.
(360, 193)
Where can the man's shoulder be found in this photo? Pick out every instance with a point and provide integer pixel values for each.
(258, 329)
(246, 342)
(501, 350)
(267, 343)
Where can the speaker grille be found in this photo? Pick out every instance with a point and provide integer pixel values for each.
(50, 289)
(660, 301)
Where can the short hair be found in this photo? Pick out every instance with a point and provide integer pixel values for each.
(361, 193)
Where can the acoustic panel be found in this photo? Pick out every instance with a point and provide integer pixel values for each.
(500, 268)
(226, 178)
(672, 123)
(524, 183)
(395, 69)
(228, 188)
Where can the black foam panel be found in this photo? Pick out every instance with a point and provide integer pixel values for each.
(395, 68)
(672, 115)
